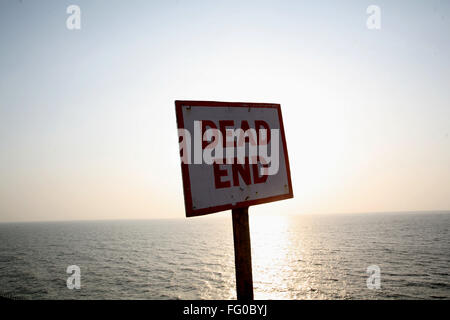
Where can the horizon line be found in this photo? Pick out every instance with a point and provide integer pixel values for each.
(215, 216)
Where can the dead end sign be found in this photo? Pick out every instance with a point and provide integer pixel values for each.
(234, 155)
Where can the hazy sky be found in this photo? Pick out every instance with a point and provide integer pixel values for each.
(87, 121)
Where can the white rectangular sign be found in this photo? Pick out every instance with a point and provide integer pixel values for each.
(233, 155)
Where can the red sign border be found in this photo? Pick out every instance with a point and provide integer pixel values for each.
(190, 212)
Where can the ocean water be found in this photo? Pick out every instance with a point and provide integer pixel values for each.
(294, 257)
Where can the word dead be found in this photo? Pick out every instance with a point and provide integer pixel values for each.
(224, 144)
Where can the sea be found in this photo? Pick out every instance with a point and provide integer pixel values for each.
(342, 256)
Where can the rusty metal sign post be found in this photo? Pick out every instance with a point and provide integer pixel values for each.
(242, 254)
(233, 155)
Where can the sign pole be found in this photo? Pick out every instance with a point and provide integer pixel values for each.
(242, 254)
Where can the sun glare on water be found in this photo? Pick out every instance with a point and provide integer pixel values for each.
(272, 254)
